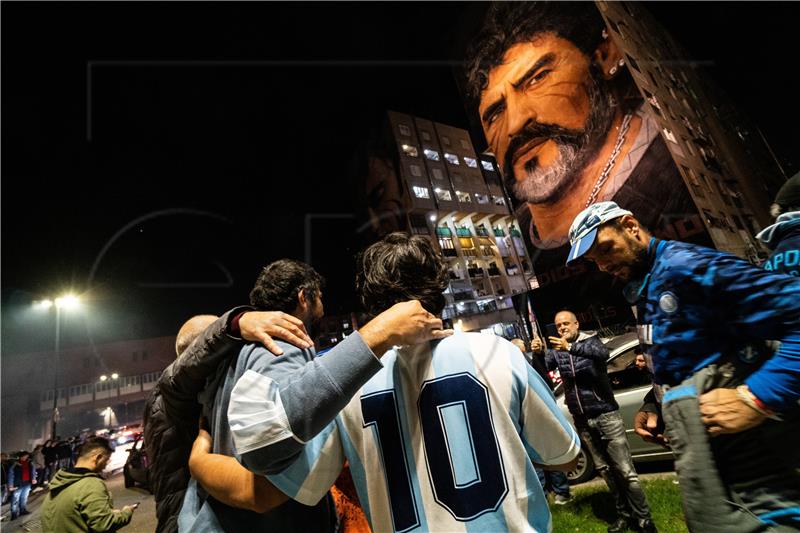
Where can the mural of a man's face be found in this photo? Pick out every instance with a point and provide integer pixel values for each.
(545, 112)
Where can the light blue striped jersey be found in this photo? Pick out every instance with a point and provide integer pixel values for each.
(443, 438)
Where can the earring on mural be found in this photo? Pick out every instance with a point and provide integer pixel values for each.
(613, 70)
(604, 34)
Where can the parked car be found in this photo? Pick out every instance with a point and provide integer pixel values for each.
(136, 469)
(630, 386)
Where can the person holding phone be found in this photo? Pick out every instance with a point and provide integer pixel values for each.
(580, 358)
(79, 499)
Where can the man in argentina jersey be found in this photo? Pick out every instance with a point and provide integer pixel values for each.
(445, 436)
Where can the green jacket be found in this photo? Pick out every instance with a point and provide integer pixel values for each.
(79, 501)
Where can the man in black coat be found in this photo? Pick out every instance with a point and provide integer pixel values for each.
(581, 360)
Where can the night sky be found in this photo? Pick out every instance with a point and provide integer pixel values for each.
(155, 156)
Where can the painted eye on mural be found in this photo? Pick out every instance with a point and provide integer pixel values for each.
(495, 114)
(535, 79)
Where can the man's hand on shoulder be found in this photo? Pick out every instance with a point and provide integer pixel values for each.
(262, 326)
(403, 323)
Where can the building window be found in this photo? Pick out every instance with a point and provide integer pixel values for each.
(437, 173)
(404, 130)
(443, 194)
(464, 197)
(144, 355)
(487, 165)
(445, 140)
(482, 198)
(416, 170)
(432, 155)
(451, 158)
(425, 135)
(421, 192)
(498, 200)
(471, 163)
(465, 144)
(410, 150)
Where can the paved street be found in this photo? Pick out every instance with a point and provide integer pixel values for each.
(144, 518)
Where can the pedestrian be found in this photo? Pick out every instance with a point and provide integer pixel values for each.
(581, 359)
(79, 500)
(307, 394)
(443, 437)
(6, 462)
(21, 477)
(730, 405)
(50, 453)
(37, 457)
(172, 411)
(783, 237)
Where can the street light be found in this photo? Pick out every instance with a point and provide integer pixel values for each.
(67, 302)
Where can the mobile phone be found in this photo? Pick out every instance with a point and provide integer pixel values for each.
(551, 330)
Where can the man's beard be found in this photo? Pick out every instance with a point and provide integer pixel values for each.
(576, 148)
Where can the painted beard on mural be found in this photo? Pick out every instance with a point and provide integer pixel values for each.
(576, 148)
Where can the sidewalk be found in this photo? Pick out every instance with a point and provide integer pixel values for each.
(28, 522)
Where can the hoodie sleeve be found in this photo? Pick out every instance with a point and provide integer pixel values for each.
(97, 508)
(183, 380)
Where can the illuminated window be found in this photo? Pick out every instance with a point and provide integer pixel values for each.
(415, 170)
(443, 194)
(410, 150)
(433, 155)
(498, 200)
(464, 197)
(669, 136)
(487, 165)
(471, 163)
(404, 130)
(437, 173)
(482, 198)
(421, 192)
(451, 158)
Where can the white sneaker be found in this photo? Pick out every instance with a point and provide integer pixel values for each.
(562, 500)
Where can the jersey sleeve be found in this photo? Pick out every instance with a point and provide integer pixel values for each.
(548, 437)
(279, 403)
(757, 304)
(315, 470)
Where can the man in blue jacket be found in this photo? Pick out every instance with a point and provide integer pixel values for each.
(704, 316)
(581, 360)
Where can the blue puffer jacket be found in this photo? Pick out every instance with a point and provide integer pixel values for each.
(583, 370)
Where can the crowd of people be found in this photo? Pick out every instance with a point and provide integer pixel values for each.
(25, 472)
(405, 425)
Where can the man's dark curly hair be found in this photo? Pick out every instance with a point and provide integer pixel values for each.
(279, 283)
(398, 268)
(510, 23)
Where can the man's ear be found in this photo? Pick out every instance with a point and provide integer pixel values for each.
(302, 301)
(608, 57)
(630, 225)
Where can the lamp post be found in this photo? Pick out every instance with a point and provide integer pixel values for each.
(68, 301)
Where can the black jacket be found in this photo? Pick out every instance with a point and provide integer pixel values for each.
(172, 412)
(585, 376)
